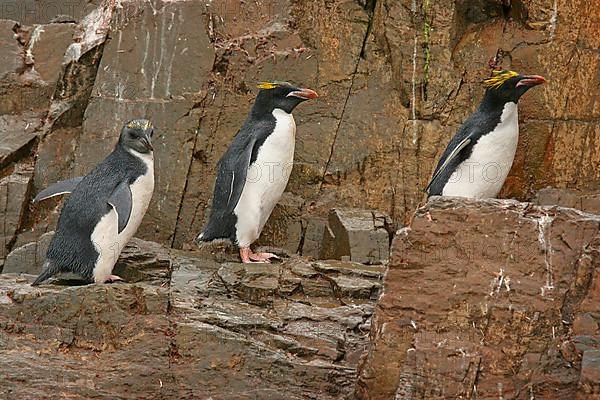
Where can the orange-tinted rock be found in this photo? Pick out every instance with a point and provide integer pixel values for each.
(480, 297)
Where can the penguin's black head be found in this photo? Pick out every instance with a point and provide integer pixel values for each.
(282, 95)
(509, 86)
(137, 135)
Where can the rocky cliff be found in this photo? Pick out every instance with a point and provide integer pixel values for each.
(481, 300)
(493, 299)
(490, 299)
(193, 329)
(396, 79)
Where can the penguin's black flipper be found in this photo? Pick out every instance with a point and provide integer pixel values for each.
(231, 179)
(445, 161)
(120, 200)
(62, 187)
(233, 171)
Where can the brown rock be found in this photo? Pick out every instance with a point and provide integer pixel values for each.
(395, 84)
(30, 12)
(29, 258)
(144, 261)
(590, 371)
(360, 235)
(586, 323)
(95, 333)
(313, 236)
(10, 49)
(46, 49)
(33, 58)
(460, 314)
(584, 343)
(18, 133)
(207, 330)
(229, 334)
(356, 287)
(569, 198)
(13, 192)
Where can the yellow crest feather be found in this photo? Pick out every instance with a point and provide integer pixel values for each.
(270, 85)
(498, 78)
(139, 124)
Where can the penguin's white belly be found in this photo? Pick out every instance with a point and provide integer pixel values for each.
(141, 194)
(105, 238)
(108, 242)
(266, 179)
(482, 175)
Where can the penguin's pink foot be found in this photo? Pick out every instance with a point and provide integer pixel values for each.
(248, 256)
(113, 278)
(263, 257)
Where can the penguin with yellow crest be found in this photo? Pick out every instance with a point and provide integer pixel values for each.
(478, 158)
(255, 169)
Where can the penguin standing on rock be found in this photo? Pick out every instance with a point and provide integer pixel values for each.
(104, 210)
(254, 171)
(478, 158)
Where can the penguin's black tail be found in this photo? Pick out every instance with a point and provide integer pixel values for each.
(48, 270)
(200, 238)
(220, 226)
(211, 232)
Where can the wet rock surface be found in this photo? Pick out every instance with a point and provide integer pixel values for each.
(13, 192)
(194, 328)
(357, 235)
(394, 85)
(29, 258)
(487, 299)
(588, 202)
(452, 316)
(395, 80)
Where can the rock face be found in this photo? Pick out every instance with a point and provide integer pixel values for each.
(359, 235)
(193, 329)
(28, 258)
(589, 202)
(395, 80)
(491, 299)
(488, 299)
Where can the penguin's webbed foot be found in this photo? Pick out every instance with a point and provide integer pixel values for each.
(248, 256)
(113, 278)
(263, 257)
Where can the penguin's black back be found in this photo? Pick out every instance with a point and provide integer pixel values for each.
(71, 249)
(481, 122)
(257, 127)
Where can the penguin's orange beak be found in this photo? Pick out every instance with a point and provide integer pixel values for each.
(531, 80)
(304, 94)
